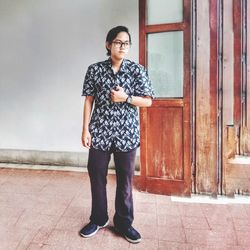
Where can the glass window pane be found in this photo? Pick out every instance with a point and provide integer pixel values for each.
(164, 11)
(165, 63)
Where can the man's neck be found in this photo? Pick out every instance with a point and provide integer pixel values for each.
(116, 64)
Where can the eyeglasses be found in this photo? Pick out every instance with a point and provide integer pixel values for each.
(120, 44)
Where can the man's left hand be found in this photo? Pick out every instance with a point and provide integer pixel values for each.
(118, 95)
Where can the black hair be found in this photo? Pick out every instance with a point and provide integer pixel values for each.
(112, 34)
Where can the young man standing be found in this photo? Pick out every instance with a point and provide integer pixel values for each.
(117, 86)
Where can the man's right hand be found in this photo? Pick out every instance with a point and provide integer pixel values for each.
(86, 138)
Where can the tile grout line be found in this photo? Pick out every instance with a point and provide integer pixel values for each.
(158, 240)
(23, 211)
(235, 233)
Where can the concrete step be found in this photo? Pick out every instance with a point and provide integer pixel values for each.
(240, 159)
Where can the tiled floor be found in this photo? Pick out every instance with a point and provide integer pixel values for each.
(46, 209)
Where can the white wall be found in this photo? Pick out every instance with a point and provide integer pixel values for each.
(45, 48)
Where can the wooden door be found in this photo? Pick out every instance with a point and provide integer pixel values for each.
(165, 127)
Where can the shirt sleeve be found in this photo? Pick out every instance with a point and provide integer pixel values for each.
(88, 84)
(143, 85)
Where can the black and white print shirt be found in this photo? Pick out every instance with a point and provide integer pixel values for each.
(115, 124)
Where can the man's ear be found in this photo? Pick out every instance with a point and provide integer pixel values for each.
(108, 45)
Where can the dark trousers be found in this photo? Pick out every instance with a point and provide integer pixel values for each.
(98, 168)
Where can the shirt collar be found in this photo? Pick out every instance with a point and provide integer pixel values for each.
(124, 65)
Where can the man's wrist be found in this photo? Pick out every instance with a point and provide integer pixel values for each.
(85, 128)
(129, 99)
(126, 97)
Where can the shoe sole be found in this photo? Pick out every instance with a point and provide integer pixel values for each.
(98, 228)
(128, 239)
(132, 241)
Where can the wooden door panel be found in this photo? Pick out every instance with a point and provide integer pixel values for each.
(169, 187)
(245, 141)
(165, 140)
(165, 163)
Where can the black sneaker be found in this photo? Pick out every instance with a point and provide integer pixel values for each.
(91, 229)
(131, 235)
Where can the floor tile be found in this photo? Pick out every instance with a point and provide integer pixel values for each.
(81, 201)
(8, 245)
(42, 235)
(147, 232)
(247, 208)
(78, 212)
(169, 221)
(27, 239)
(11, 238)
(238, 211)
(146, 219)
(195, 222)
(243, 238)
(141, 197)
(216, 210)
(34, 246)
(211, 237)
(36, 220)
(171, 210)
(10, 215)
(68, 239)
(145, 207)
(193, 210)
(71, 223)
(242, 224)
(217, 222)
(175, 234)
(169, 245)
(113, 241)
(163, 199)
(145, 244)
(18, 200)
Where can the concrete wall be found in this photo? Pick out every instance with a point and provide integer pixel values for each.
(45, 48)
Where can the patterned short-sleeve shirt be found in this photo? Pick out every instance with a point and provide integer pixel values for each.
(115, 124)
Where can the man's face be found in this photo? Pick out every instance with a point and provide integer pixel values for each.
(120, 46)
